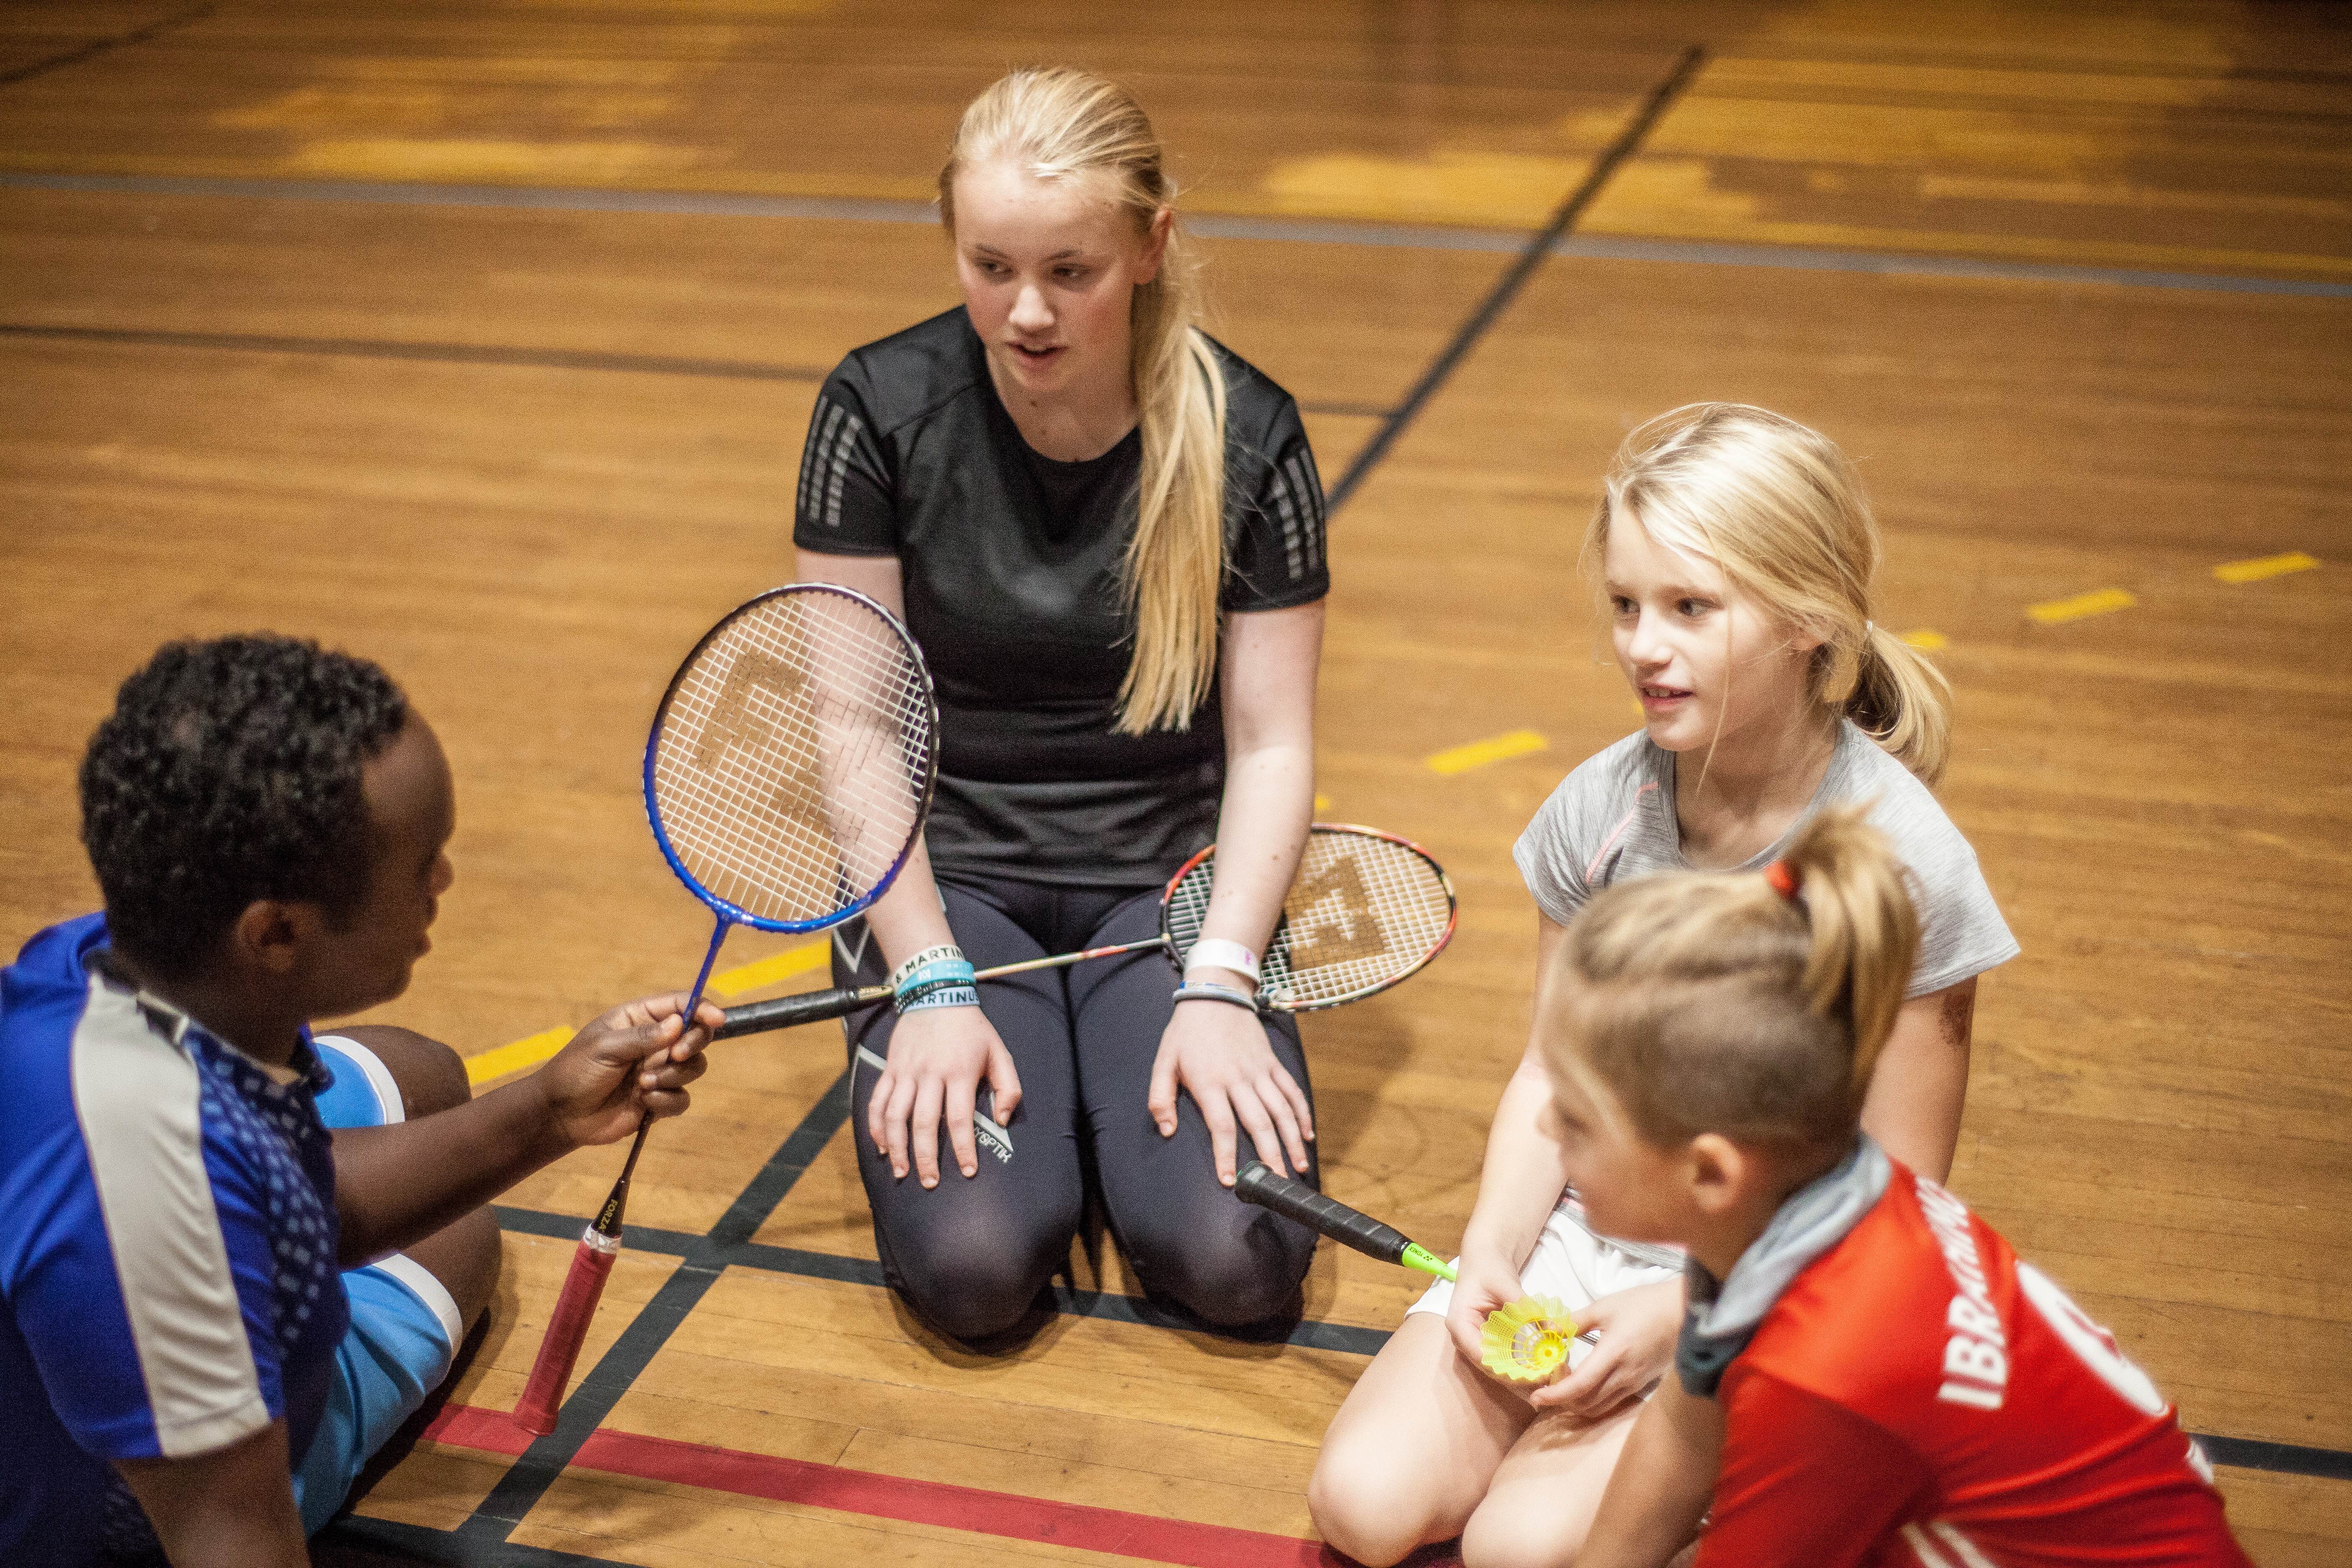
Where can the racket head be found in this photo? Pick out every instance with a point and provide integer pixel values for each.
(1366, 910)
(792, 760)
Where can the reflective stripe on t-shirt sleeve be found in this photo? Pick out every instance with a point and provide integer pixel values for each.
(151, 1285)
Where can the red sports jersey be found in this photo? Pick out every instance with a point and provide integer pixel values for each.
(1918, 1398)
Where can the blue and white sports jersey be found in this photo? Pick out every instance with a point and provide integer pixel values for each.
(168, 1283)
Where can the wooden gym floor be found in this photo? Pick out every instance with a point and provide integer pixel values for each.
(480, 338)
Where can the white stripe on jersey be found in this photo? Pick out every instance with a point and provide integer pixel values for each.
(1924, 1549)
(1288, 518)
(136, 1097)
(1962, 1547)
(1940, 1544)
(821, 425)
(1302, 474)
(843, 451)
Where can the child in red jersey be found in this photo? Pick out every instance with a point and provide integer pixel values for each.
(1866, 1373)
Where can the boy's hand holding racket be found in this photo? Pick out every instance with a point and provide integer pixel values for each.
(631, 1063)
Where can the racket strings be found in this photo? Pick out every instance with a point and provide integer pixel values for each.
(793, 760)
(1362, 911)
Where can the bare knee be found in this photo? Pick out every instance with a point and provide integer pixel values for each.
(431, 1075)
(1512, 1532)
(1357, 1521)
(1364, 1504)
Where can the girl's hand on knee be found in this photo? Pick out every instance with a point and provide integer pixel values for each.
(1482, 1282)
(1218, 1053)
(1635, 1347)
(939, 1055)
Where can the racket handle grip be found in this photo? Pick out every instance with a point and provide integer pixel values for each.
(1296, 1201)
(567, 1329)
(808, 1007)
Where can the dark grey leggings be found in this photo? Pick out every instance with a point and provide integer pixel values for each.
(971, 1256)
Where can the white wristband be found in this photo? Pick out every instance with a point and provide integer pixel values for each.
(1216, 952)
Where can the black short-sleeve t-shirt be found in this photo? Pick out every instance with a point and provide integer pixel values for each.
(1011, 562)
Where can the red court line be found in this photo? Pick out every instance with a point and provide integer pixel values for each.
(467, 1427)
(914, 1502)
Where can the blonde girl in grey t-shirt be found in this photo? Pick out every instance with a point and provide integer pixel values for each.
(1735, 552)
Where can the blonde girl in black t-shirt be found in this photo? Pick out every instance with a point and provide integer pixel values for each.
(1107, 534)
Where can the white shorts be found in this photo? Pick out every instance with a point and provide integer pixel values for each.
(1571, 1263)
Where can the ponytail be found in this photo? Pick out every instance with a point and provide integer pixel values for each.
(1059, 125)
(1175, 564)
(1751, 1003)
(1865, 935)
(1899, 699)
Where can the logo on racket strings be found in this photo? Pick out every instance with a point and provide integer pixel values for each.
(1330, 919)
(742, 720)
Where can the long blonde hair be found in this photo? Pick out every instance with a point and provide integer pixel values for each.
(1780, 510)
(1714, 1002)
(1062, 124)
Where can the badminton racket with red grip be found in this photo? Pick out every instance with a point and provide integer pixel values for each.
(787, 777)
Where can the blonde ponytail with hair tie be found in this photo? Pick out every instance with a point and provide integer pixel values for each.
(1701, 1007)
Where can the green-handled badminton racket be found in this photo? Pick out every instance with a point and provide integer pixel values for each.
(1295, 1200)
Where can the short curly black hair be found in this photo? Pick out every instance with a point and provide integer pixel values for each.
(229, 770)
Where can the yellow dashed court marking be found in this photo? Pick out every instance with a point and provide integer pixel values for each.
(2098, 601)
(768, 971)
(533, 1049)
(529, 1051)
(1478, 754)
(2263, 566)
(1927, 641)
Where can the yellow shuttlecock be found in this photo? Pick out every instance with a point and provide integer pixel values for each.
(1527, 1341)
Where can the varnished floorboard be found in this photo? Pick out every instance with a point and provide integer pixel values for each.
(503, 450)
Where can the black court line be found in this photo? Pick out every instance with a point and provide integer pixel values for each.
(485, 354)
(92, 49)
(2282, 1458)
(1913, 264)
(705, 1252)
(450, 353)
(458, 1551)
(751, 1210)
(519, 1490)
(2244, 1453)
(481, 1542)
(1300, 231)
(527, 1480)
(1531, 255)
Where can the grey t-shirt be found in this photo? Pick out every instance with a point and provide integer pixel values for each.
(1613, 819)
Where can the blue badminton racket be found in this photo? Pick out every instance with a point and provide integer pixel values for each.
(787, 777)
